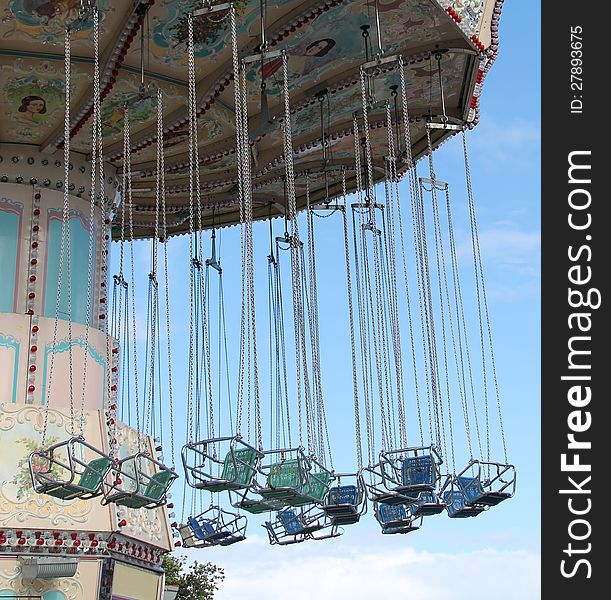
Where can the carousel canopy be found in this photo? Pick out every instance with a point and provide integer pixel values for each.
(446, 47)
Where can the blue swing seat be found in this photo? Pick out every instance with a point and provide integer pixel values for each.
(395, 518)
(418, 473)
(428, 504)
(204, 529)
(294, 524)
(458, 508)
(342, 505)
(475, 493)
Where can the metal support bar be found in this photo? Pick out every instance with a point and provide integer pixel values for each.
(447, 126)
(263, 56)
(206, 10)
(379, 62)
(436, 183)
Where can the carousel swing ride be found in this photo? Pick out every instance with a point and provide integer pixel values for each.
(231, 114)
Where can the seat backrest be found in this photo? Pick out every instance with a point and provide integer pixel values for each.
(202, 528)
(344, 494)
(418, 470)
(426, 498)
(318, 485)
(245, 461)
(94, 472)
(158, 484)
(392, 512)
(290, 521)
(471, 487)
(454, 499)
(285, 474)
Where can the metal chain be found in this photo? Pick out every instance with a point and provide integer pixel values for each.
(391, 202)
(397, 197)
(368, 394)
(65, 224)
(475, 236)
(418, 246)
(459, 299)
(355, 386)
(315, 332)
(127, 164)
(442, 279)
(191, 93)
(379, 354)
(94, 165)
(428, 290)
(295, 263)
(440, 268)
(164, 233)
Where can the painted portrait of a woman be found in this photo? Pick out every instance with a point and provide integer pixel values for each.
(30, 107)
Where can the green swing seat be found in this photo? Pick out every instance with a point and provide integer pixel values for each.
(153, 494)
(88, 484)
(239, 468)
(284, 480)
(313, 492)
(257, 507)
(285, 484)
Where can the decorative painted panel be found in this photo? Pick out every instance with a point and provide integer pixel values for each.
(21, 429)
(147, 525)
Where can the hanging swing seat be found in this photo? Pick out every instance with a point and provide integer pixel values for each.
(233, 472)
(286, 479)
(396, 518)
(418, 473)
(147, 482)
(487, 483)
(314, 491)
(341, 505)
(63, 472)
(458, 508)
(291, 480)
(410, 471)
(214, 527)
(428, 504)
(257, 507)
(344, 504)
(402, 475)
(379, 493)
(294, 526)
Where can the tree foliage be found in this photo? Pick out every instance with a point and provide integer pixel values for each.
(198, 582)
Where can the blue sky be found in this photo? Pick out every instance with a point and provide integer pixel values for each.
(502, 545)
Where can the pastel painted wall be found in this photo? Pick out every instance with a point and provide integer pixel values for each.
(30, 249)
(11, 216)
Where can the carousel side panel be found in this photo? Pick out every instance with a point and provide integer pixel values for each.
(85, 585)
(133, 583)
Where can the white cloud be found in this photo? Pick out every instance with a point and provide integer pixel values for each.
(370, 568)
(507, 141)
(511, 259)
